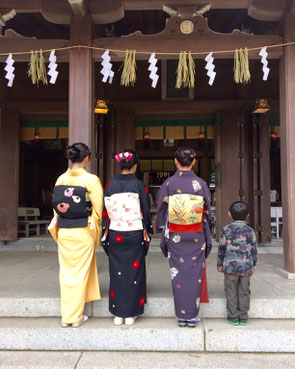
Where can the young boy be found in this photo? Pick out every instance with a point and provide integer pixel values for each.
(237, 257)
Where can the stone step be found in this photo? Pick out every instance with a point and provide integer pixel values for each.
(47, 244)
(142, 360)
(264, 308)
(158, 334)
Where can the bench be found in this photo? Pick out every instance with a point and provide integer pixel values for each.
(28, 221)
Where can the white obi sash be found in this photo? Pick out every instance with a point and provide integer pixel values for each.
(124, 212)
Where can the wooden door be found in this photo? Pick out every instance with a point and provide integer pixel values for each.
(9, 180)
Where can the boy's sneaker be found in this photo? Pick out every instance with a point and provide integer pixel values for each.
(243, 323)
(233, 323)
(181, 323)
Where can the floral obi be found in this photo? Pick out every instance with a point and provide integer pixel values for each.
(124, 211)
(185, 213)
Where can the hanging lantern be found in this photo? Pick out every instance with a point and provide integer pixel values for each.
(147, 134)
(273, 135)
(202, 135)
(101, 107)
(37, 134)
(261, 106)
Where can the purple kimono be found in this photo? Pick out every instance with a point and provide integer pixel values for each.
(186, 241)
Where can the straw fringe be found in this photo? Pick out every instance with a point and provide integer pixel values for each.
(241, 66)
(185, 73)
(33, 66)
(128, 77)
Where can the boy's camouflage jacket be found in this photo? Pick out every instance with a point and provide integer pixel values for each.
(237, 252)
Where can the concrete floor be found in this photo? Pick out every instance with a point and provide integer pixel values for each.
(35, 274)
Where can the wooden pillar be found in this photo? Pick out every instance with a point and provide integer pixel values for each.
(81, 86)
(124, 131)
(227, 157)
(265, 220)
(287, 119)
(9, 180)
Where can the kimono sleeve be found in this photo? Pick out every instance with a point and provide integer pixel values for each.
(162, 206)
(254, 248)
(52, 228)
(145, 204)
(96, 197)
(221, 251)
(207, 219)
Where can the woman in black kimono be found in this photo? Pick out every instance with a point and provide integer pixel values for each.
(183, 212)
(126, 225)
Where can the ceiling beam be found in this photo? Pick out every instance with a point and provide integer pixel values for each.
(108, 11)
(78, 7)
(201, 40)
(267, 10)
(158, 4)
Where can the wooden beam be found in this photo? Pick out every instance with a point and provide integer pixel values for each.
(22, 6)
(166, 107)
(14, 42)
(201, 40)
(158, 4)
(78, 7)
(287, 118)
(267, 10)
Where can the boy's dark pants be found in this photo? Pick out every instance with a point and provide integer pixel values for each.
(237, 292)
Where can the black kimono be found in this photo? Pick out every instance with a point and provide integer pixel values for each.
(127, 224)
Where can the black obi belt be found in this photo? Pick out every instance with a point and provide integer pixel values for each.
(73, 206)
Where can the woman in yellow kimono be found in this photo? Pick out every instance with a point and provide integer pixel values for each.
(76, 227)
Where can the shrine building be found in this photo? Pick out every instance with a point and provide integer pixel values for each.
(243, 133)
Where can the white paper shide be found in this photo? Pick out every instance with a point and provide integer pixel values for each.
(9, 68)
(210, 68)
(153, 69)
(106, 71)
(263, 53)
(52, 72)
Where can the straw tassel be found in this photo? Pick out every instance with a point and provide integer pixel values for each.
(245, 71)
(185, 73)
(237, 66)
(41, 71)
(128, 76)
(241, 66)
(191, 70)
(33, 66)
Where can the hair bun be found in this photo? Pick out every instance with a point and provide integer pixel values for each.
(123, 160)
(73, 152)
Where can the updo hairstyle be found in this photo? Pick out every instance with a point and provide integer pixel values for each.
(124, 164)
(185, 156)
(77, 152)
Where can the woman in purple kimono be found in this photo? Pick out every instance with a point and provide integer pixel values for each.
(184, 215)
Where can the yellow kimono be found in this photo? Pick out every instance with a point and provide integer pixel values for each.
(76, 249)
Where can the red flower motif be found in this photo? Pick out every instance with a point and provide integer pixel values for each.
(146, 191)
(119, 238)
(107, 185)
(112, 294)
(135, 264)
(141, 301)
(104, 214)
